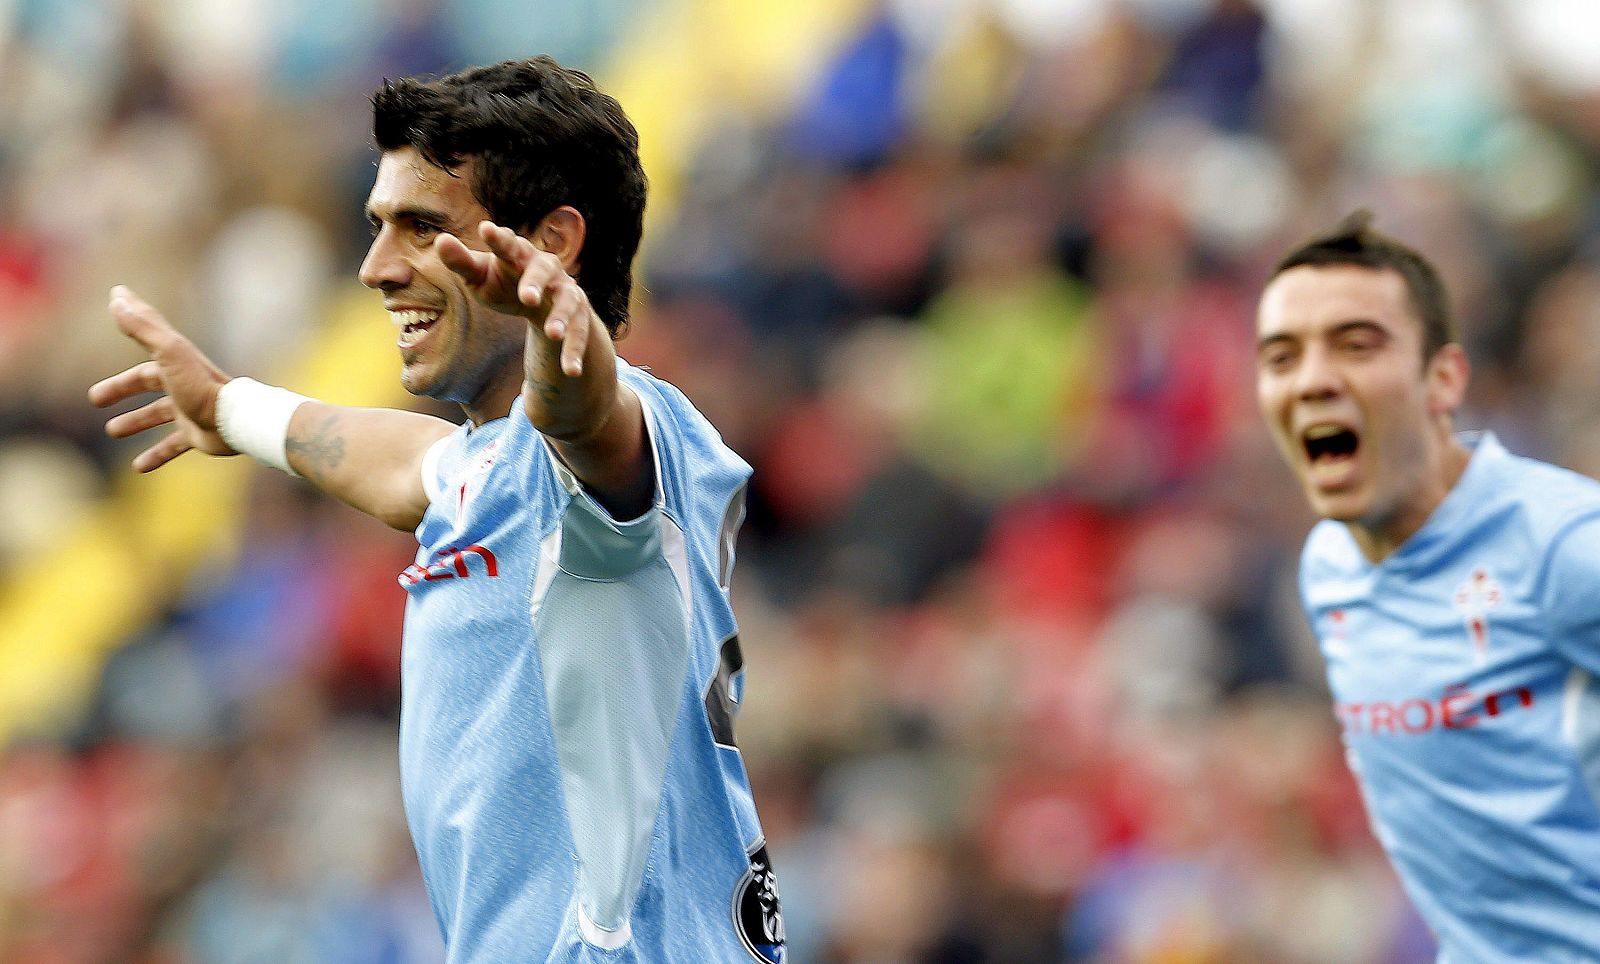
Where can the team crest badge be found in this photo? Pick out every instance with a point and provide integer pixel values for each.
(1474, 600)
(756, 916)
(473, 478)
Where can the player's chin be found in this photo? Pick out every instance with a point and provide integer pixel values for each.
(418, 377)
(1342, 506)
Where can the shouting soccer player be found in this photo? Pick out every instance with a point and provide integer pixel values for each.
(1455, 591)
(570, 664)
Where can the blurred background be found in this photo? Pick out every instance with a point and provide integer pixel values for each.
(970, 283)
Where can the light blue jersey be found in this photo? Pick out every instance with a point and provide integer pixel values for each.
(1462, 668)
(569, 686)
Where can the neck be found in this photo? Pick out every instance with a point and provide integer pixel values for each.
(494, 401)
(1381, 538)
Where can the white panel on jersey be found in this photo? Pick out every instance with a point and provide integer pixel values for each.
(611, 618)
(608, 940)
(1580, 724)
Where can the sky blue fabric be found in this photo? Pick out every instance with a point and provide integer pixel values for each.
(555, 744)
(1462, 667)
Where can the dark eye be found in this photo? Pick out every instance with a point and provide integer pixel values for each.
(1275, 359)
(425, 230)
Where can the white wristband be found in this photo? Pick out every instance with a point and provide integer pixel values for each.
(254, 419)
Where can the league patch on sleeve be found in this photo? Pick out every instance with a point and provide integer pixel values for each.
(755, 909)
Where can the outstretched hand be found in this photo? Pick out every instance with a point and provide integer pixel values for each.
(516, 277)
(176, 367)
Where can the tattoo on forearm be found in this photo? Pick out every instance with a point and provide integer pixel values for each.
(545, 390)
(541, 370)
(321, 451)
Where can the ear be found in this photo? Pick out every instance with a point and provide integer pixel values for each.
(1448, 373)
(561, 232)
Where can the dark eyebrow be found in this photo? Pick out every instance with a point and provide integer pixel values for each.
(416, 213)
(1268, 341)
(1342, 328)
(1359, 324)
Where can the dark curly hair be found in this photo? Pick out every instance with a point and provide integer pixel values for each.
(1356, 242)
(537, 136)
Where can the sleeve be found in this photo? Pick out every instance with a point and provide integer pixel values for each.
(696, 472)
(700, 481)
(1569, 592)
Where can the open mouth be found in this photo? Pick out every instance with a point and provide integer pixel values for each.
(414, 325)
(1329, 444)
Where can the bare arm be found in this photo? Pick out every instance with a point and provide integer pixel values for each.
(571, 393)
(368, 458)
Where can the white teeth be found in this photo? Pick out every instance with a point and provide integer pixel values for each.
(1323, 431)
(411, 316)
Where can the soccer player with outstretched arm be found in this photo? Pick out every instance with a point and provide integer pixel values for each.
(571, 664)
(1455, 591)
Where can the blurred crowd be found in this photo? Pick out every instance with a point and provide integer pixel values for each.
(1027, 676)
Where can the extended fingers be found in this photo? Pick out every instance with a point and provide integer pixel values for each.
(158, 412)
(471, 266)
(514, 254)
(138, 320)
(507, 245)
(569, 322)
(520, 263)
(143, 377)
(161, 453)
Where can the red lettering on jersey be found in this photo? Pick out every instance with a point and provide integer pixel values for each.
(1382, 717)
(1453, 718)
(1405, 715)
(491, 566)
(1457, 709)
(451, 563)
(1491, 703)
(1350, 716)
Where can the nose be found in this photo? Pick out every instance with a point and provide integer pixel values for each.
(384, 267)
(1317, 376)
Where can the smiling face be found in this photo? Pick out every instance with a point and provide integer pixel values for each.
(451, 347)
(1363, 421)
